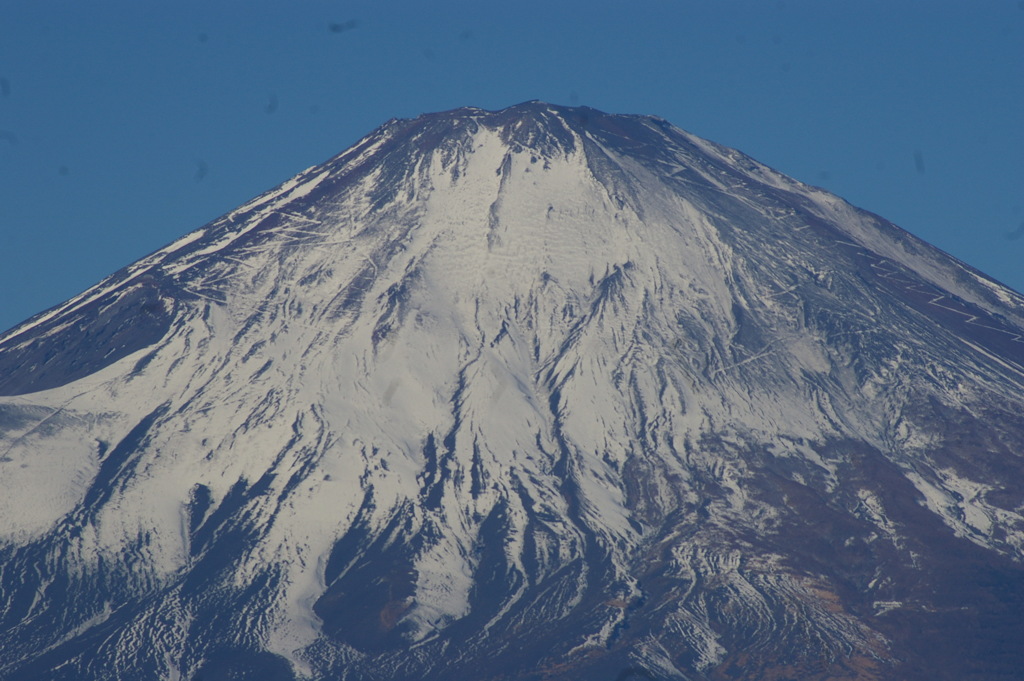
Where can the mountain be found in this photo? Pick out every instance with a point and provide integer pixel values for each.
(541, 393)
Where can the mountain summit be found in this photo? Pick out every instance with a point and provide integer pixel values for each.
(541, 393)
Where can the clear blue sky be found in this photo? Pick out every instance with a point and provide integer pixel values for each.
(124, 124)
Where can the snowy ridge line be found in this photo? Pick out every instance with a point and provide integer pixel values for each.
(295, 189)
(836, 204)
(108, 284)
(81, 300)
(283, 195)
(893, 274)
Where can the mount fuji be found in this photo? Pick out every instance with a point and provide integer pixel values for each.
(541, 393)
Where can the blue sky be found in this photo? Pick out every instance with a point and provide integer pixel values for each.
(124, 124)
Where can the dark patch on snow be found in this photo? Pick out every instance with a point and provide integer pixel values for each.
(80, 343)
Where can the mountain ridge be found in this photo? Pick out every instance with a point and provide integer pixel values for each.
(532, 393)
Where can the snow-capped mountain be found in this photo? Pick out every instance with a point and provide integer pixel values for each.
(541, 393)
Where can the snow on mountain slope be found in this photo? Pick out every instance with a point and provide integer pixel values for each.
(536, 393)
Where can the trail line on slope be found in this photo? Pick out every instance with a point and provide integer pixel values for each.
(766, 350)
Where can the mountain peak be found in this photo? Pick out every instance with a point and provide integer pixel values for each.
(541, 392)
(545, 128)
(529, 109)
